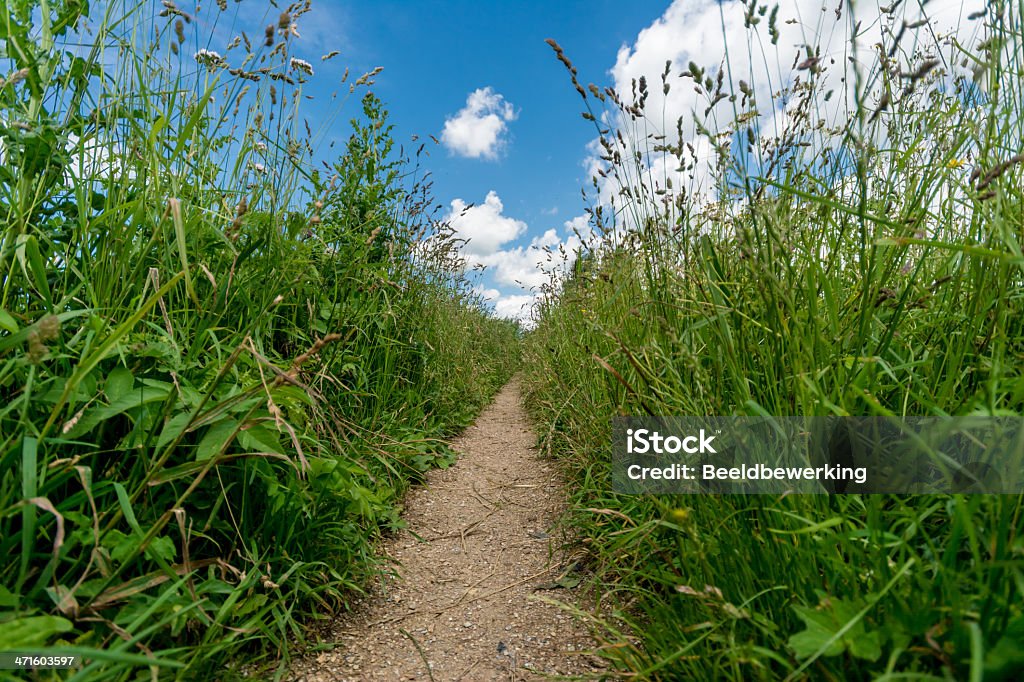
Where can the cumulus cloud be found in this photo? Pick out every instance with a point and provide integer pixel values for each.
(517, 272)
(516, 307)
(484, 227)
(703, 30)
(714, 36)
(525, 266)
(483, 292)
(487, 230)
(479, 130)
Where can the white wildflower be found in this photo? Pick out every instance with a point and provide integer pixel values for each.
(209, 58)
(302, 65)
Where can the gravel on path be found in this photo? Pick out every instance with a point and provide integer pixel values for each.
(476, 563)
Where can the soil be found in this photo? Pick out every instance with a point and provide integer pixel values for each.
(479, 567)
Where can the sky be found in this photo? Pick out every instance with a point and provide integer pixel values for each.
(479, 77)
(513, 151)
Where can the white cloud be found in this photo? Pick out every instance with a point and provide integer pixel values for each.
(579, 226)
(516, 307)
(541, 262)
(703, 30)
(484, 226)
(522, 266)
(487, 294)
(94, 159)
(518, 273)
(713, 35)
(479, 129)
(487, 229)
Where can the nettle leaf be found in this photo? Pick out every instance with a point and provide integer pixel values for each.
(120, 545)
(819, 629)
(867, 645)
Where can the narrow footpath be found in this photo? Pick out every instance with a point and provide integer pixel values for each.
(476, 564)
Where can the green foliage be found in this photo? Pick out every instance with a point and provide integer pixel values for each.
(869, 274)
(208, 355)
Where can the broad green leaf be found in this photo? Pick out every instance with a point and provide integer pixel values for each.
(32, 631)
(119, 383)
(87, 365)
(173, 428)
(261, 439)
(866, 645)
(136, 398)
(161, 549)
(7, 322)
(824, 622)
(216, 439)
(119, 545)
(819, 628)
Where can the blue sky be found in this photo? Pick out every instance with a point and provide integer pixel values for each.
(435, 56)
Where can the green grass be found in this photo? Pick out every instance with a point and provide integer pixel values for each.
(212, 351)
(839, 275)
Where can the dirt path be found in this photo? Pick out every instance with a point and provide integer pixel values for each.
(469, 597)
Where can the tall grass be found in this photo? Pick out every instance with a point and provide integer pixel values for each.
(221, 360)
(870, 266)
